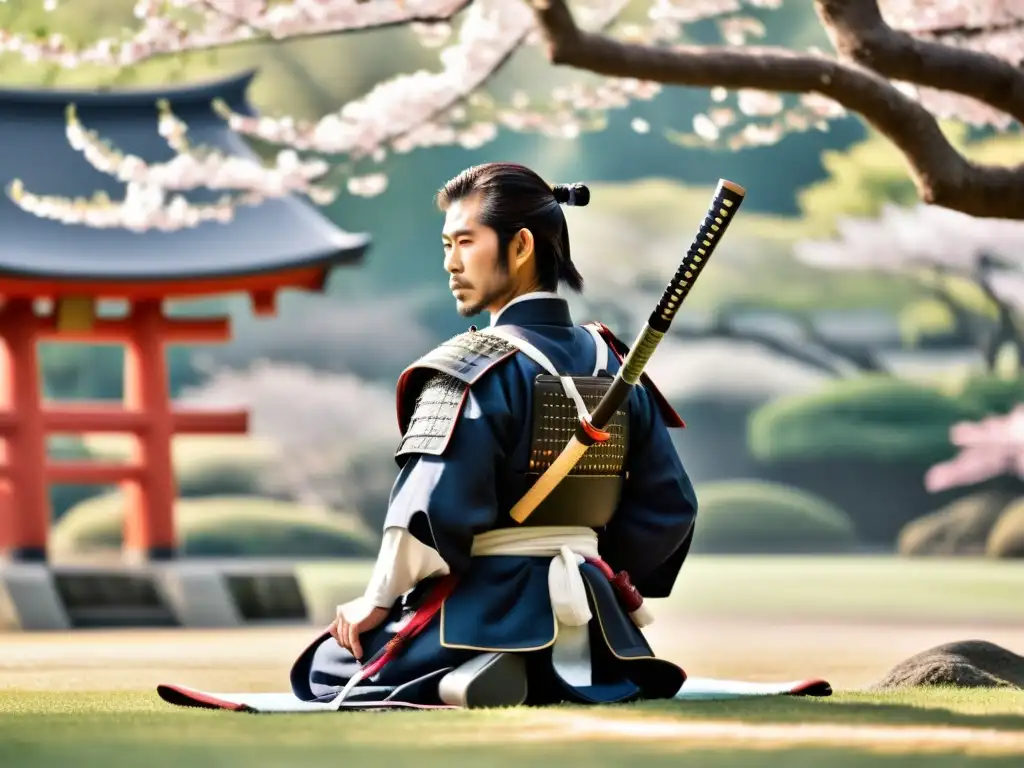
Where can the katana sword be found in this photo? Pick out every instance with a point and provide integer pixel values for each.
(727, 199)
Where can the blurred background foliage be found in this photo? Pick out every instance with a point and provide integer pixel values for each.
(815, 401)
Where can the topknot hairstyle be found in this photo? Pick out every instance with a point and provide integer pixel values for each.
(571, 194)
(513, 197)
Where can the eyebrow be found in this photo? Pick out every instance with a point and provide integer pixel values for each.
(456, 234)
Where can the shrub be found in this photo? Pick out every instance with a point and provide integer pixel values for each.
(1007, 536)
(960, 528)
(748, 516)
(240, 473)
(870, 417)
(864, 444)
(220, 465)
(64, 496)
(225, 526)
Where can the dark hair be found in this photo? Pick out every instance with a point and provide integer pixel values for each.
(512, 198)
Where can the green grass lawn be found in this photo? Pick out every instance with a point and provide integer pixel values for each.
(881, 587)
(85, 725)
(842, 587)
(45, 729)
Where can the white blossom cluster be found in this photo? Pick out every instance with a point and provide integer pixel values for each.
(150, 201)
(925, 237)
(410, 111)
(994, 27)
(322, 425)
(164, 27)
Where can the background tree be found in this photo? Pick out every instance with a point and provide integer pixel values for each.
(942, 250)
(334, 434)
(900, 64)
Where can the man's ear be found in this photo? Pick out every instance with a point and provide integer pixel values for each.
(520, 249)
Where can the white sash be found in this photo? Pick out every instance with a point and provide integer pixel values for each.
(567, 546)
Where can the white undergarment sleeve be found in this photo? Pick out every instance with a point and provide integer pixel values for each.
(403, 562)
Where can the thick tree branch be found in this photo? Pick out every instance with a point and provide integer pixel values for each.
(940, 173)
(860, 34)
(815, 352)
(965, 32)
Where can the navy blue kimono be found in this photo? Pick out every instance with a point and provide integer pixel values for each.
(465, 485)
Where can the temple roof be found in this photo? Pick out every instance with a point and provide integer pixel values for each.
(279, 234)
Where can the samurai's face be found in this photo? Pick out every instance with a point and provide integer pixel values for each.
(481, 277)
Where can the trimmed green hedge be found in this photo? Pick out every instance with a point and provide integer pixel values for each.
(219, 465)
(872, 417)
(216, 467)
(866, 444)
(64, 496)
(222, 526)
(749, 516)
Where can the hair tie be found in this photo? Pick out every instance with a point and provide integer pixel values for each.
(571, 194)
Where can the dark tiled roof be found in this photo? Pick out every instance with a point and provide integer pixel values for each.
(278, 234)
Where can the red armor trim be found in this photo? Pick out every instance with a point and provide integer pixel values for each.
(416, 375)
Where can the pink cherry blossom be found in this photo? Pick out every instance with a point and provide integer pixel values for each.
(443, 106)
(923, 237)
(988, 448)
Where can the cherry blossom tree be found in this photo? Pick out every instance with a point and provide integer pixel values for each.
(930, 244)
(334, 434)
(621, 291)
(900, 64)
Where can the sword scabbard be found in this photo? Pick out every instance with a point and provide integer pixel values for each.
(727, 199)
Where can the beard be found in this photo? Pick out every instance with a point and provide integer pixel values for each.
(475, 306)
(468, 310)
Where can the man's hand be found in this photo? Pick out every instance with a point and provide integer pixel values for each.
(353, 619)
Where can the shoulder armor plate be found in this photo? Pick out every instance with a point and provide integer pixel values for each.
(435, 415)
(465, 358)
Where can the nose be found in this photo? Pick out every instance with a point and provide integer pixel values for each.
(452, 262)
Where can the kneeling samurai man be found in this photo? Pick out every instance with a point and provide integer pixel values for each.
(465, 606)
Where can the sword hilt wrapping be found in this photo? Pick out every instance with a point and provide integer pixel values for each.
(727, 199)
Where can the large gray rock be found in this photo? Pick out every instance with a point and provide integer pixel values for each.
(965, 664)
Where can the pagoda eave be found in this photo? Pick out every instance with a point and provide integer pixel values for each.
(263, 285)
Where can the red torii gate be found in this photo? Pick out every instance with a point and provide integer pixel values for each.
(25, 420)
(147, 415)
(282, 243)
